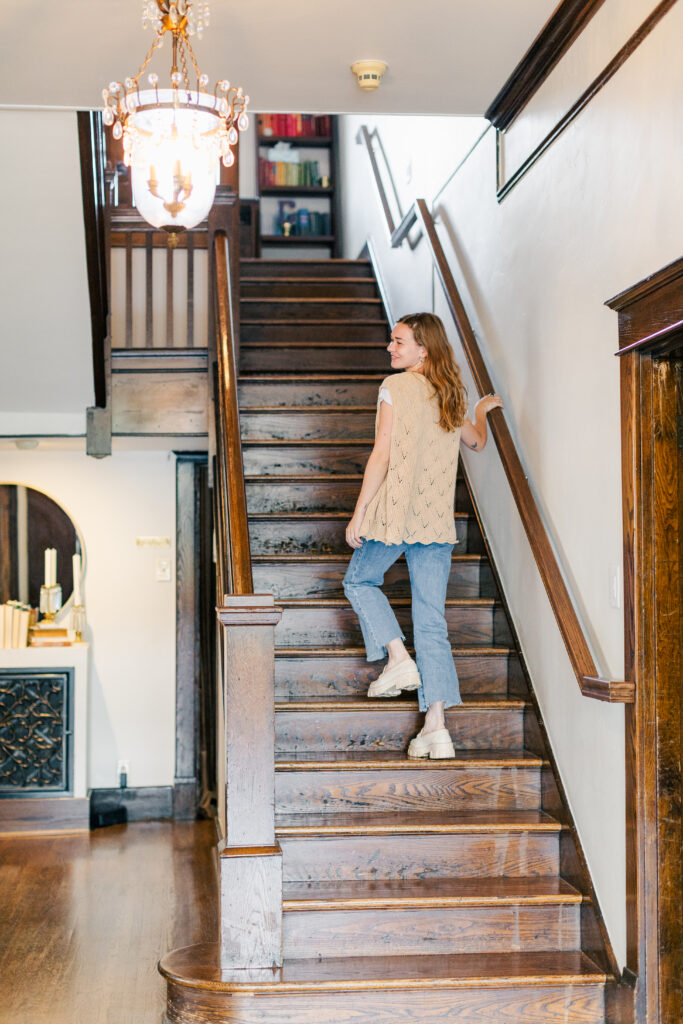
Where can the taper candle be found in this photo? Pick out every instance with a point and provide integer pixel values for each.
(76, 562)
(48, 562)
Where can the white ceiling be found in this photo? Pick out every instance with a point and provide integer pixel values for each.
(444, 56)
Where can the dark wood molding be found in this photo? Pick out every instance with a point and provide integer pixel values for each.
(654, 282)
(578, 651)
(92, 159)
(187, 634)
(142, 803)
(44, 815)
(549, 46)
(652, 496)
(504, 188)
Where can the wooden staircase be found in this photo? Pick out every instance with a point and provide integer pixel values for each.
(413, 891)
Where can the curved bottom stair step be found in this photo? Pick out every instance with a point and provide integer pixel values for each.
(536, 988)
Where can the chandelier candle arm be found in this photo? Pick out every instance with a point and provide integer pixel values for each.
(174, 137)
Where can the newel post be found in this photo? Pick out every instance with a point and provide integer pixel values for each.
(250, 858)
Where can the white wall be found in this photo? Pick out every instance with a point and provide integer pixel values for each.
(45, 341)
(131, 617)
(598, 212)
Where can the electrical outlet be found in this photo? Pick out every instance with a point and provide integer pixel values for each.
(163, 570)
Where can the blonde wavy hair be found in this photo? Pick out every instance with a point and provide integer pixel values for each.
(440, 367)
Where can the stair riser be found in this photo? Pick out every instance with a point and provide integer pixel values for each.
(392, 730)
(307, 459)
(279, 537)
(299, 580)
(338, 627)
(350, 676)
(404, 789)
(323, 309)
(309, 289)
(259, 358)
(307, 393)
(368, 858)
(306, 268)
(303, 426)
(349, 358)
(535, 1004)
(320, 496)
(511, 929)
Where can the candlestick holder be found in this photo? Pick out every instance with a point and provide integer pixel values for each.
(50, 601)
(78, 621)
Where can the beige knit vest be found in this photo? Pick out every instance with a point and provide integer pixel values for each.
(415, 501)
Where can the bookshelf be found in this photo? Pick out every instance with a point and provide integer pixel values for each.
(297, 161)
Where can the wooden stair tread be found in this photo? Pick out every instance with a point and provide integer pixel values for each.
(397, 602)
(324, 378)
(389, 704)
(424, 893)
(395, 760)
(294, 322)
(304, 300)
(464, 650)
(305, 516)
(245, 279)
(313, 560)
(284, 409)
(279, 442)
(457, 970)
(451, 822)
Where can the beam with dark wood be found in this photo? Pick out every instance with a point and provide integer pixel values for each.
(557, 35)
(578, 651)
(91, 148)
(601, 80)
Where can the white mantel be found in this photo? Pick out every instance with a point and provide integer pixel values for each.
(77, 657)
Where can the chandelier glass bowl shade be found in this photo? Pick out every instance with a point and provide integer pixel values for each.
(174, 136)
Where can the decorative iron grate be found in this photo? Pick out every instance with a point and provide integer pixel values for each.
(36, 710)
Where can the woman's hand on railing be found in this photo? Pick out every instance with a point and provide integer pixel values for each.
(474, 435)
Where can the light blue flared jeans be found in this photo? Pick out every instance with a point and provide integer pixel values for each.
(429, 566)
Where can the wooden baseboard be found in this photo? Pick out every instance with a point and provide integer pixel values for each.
(143, 803)
(41, 815)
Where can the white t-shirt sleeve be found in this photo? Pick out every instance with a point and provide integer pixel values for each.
(385, 395)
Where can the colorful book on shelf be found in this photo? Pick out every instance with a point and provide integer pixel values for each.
(295, 125)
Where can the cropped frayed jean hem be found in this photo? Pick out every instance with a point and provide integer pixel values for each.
(429, 566)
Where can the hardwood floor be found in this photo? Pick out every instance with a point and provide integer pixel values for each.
(86, 918)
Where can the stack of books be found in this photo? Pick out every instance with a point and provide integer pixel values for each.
(15, 620)
(306, 173)
(49, 635)
(295, 125)
(307, 222)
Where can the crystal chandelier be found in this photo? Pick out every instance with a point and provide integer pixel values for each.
(173, 137)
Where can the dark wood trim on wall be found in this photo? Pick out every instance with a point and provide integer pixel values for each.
(92, 157)
(185, 784)
(552, 42)
(651, 483)
(608, 72)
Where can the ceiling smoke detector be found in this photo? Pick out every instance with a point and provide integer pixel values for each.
(369, 72)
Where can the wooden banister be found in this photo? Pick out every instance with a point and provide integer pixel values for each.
(591, 683)
(587, 675)
(228, 433)
(249, 856)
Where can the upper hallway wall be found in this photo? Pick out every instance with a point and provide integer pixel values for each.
(599, 211)
(45, 341)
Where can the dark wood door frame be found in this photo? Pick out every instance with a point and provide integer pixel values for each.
(186, 775)
(650, 350)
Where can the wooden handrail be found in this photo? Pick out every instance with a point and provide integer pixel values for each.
(233, 527)
(91, 149)
(587, 675)
(591, 683)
